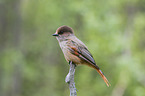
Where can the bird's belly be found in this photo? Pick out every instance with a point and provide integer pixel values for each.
(70, 57)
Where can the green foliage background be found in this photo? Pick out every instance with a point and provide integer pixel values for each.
(32, 64)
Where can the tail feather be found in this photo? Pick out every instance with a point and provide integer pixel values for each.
(101, 74)
(103, 77)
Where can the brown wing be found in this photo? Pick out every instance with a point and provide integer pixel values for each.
(82, 52)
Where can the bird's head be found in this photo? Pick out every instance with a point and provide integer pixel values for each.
(63, 32)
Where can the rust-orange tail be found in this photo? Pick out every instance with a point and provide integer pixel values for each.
(102, 75)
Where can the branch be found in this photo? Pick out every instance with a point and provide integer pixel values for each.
(70, 80)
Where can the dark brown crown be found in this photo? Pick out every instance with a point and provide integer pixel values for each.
(64, 29)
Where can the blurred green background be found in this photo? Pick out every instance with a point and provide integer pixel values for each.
(32, 64)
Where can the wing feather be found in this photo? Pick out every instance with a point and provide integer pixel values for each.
(82, 51)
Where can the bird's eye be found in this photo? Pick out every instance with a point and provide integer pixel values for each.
(60, 32)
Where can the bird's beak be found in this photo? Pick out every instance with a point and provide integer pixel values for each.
(54, 34)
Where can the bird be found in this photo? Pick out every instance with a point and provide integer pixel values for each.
(75, 50)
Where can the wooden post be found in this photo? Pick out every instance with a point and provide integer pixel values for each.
(70, 80)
